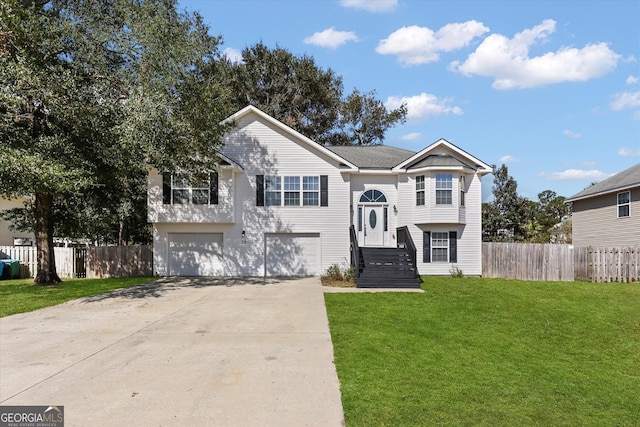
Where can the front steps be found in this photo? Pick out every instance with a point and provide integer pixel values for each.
(386, 268)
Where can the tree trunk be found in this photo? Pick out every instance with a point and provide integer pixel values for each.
(43, 228)
(123, 233)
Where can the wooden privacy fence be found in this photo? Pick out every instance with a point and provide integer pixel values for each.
(528, 261)
(91, 262)
(553, 262)
(608, 264)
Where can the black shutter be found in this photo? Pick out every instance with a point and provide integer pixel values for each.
(324, 190)
(426, 246)
(453, 246)
(259, 190)
(213, 188)
(166, 188)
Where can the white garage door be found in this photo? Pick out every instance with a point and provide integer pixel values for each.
(192, 254)
(290, 254)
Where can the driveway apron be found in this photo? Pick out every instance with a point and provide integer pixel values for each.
(178, 352)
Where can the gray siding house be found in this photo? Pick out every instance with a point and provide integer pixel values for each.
(607, 214)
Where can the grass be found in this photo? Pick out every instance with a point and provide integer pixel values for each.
(487, 352)
(20, 296)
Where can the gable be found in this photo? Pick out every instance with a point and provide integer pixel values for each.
(443, 154)
(259, 139)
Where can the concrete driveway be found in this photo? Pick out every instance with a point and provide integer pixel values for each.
(178, 352)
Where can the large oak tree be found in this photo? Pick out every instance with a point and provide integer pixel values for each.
(95, 91)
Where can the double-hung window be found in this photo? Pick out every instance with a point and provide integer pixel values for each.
(182, 189)
(310, 191)
(439, 246)
(420, 199)
(624, 202)
(292, 190)
(444, 188)
(462, 189)
(273, 190)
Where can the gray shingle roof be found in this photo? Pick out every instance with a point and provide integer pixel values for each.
(625, 179)
(372, 156)
(439, 160)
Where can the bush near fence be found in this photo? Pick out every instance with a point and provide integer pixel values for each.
(91, 262)
(557, 262)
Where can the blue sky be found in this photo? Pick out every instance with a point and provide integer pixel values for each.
(549, 88)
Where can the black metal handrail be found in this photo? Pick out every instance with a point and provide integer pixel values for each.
(405, 241)
(355, 251)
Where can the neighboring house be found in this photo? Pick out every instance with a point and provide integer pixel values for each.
(607, 214)
(8, 237)
(282, 205)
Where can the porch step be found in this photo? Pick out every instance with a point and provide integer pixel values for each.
(386, 268)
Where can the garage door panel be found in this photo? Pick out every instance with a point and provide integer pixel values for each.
(192, 254)
(292, 254)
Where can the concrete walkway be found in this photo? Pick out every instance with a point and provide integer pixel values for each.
(181, 352)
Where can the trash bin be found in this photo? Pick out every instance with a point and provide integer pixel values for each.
(10, 268)
(4, 270)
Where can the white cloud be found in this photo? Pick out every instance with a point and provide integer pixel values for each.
(411, 136)
(628, 152)
(507, 60)
(423, 106)
(631, 80)
(625, 100)
(571, 134)
(371, 5)
(507, 159)
(577, 174)
(330, 38)
(234, 55)
(420, 45)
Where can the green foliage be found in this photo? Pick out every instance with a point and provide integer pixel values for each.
(20, 296)
(297, 92)
(94, 93)
(510, 217)
(487, 352)
(337, 275)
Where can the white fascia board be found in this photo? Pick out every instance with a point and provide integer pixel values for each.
(437, 168)
(375, 172)
(312, 144)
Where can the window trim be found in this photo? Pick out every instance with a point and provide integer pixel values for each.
(428, 246)
(420, 190)
(308, 188)
(446, 191)
(208, 186)
(626, 204)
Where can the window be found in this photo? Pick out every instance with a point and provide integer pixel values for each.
(288, 191)
(440, 246)
(292, 191)
(444, 186)
(462, 189)
(273, 190)
(181, 189)
(420, 190)
(373, 196)
(624, 201)
(310, 190)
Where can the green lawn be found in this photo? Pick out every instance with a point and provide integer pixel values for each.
(489, 352)
(19, 296)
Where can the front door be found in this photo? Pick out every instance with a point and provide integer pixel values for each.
(373, 226)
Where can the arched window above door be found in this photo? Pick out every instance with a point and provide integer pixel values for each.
(373, 196)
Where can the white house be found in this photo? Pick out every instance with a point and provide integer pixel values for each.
(9, 237)
(281, 205)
